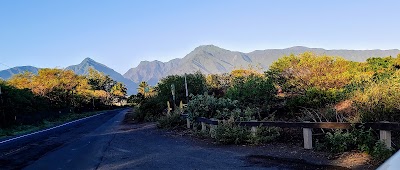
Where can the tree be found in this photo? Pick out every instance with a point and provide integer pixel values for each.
(21, 81)
(146, 90)
(196, 84)
(252, 90)
(119, 90)
(143, 87)
(307, 70)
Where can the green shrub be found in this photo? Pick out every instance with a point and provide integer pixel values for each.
(339, 141)
(170, 121)
(336, 142)
(380, 152)
(265, 135)
(364, 140)
(150, 109)
(196, 84)
(211, 107)
(315, 98)
(379, 101)
(253, 91)
(229, 133)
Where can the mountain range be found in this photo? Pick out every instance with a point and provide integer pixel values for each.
(208, 59)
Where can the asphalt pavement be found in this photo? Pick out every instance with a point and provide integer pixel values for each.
(104, 142)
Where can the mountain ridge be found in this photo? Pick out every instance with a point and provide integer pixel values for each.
(83, 69)
(8, 73)
(211, 59)
(208, 59)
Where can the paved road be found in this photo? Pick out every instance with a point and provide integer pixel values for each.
(105, 143)
(21, 153)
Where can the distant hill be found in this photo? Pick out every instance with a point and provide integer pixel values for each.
(83, 69)
(210, 59)
(6, 74)
(80, 69)
(152, 71)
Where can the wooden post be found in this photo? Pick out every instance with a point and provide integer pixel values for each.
(188, 123)
(212, 129)
(203, 127)
(307, 135)
(194, 126)
(386, 136)
(253, 129)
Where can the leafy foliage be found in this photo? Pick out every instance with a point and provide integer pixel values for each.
(152, 107)
(380, 152)
(265, 135)
(29, 98)
(211, 107)
(339, 141)
(379, 101)
(171, 121)
(298, 73)
(196, 85)
(228, 133)
(252, 90)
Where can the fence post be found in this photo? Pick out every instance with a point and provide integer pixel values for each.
(188, 123)
(386, 136)
(253, 129)
(203, 127)
(212, 128)
(307, 135)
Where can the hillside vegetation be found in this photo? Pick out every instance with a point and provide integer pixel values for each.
(29, 98)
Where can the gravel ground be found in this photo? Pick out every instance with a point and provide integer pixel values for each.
(143, 146)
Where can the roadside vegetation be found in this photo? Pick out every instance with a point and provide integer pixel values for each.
(30, 102)
(304, 87)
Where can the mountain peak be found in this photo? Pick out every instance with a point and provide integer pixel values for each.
(83, 69)
(208, 47)
(297, 48)
(87, 59)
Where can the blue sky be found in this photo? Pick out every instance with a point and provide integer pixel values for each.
(121, 33)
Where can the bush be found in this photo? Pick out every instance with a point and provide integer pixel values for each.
(196, 84)
(172, 121)
(339, 141)
(298, 73)
(360, 139)
(364, 140)
(380, 153)
(253, 90)
(336, 142)
(229, 133)
(265, 135)
(210, 107)
(379, 101)
(150, 109)
(315, 98)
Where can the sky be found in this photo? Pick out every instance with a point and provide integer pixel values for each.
(121, 33)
